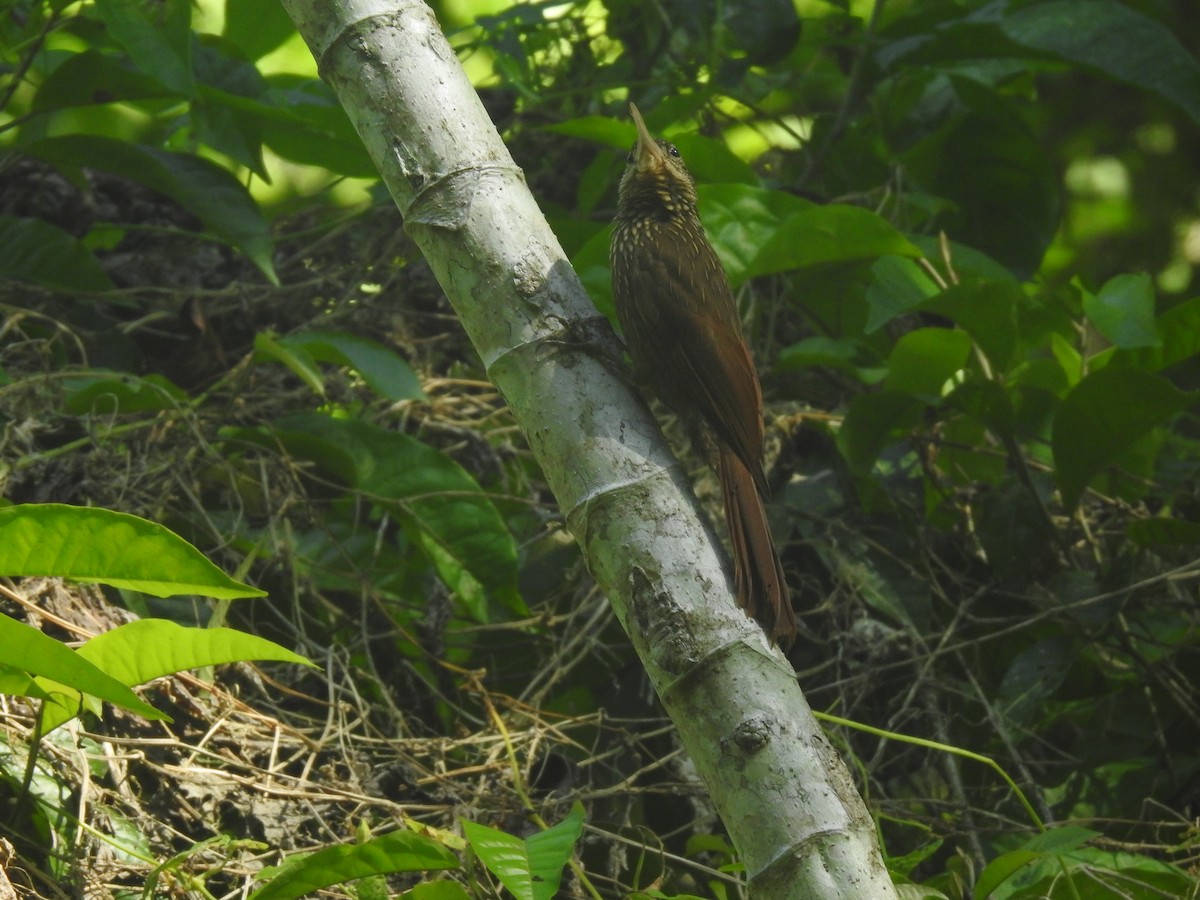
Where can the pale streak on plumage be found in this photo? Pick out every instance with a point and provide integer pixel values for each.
(682, 328)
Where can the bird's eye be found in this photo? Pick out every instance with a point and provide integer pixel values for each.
(673, 150)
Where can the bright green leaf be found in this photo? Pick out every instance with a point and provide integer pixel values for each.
(99, 545)
(256, 27)
(399, 851)
(19, 683)
(143, 650)
(591, 264)
(28, 650)
(601, 129)
(531, 868)
(146, 649)
(712, 163)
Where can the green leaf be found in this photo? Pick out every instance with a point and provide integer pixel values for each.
(457, 577)
(146, 649)
(986, 310)
(740, 218)
(991, 165)
(301, 120)
(37, 252)
(1103, 415)
(924, 361)
(399, 851)
(1113, 39)
(99, 545)
(531, 868)
(828, 234)
(296, 358)
(898, 285)
(1002, 868)
(218, 115)
(256, 27)
(846, 354)
(415, 482)
(218, 199)
(1179, 340)
(18, 683)
(1162, 532)
(91, 77)
(712, 163)
(381, 368)
(141, 651)
(28, 650)
(160, 48)
(1061, 839)
(1123, 311)
(872, 422)
(437, 890)
(601, 129)
(110, 394)
(591, 264)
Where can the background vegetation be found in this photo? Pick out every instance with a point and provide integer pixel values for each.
(966, 237)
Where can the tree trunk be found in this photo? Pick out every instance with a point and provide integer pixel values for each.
(783, 793)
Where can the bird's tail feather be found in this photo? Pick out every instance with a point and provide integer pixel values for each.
(758, 574)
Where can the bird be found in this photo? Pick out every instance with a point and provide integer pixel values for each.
(681, 325)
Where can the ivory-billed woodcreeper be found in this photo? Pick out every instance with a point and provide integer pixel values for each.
(684, 335)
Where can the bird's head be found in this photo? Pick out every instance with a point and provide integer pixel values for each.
(656, 182)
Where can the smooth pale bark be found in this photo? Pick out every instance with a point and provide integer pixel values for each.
(784, 794)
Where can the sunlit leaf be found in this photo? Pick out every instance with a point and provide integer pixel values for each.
(530, 868)
(28, 650)
(99, 545)
(399, 851)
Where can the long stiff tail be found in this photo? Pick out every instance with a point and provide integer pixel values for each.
(758, 575)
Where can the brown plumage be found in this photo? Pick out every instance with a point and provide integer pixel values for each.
(682, 328)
